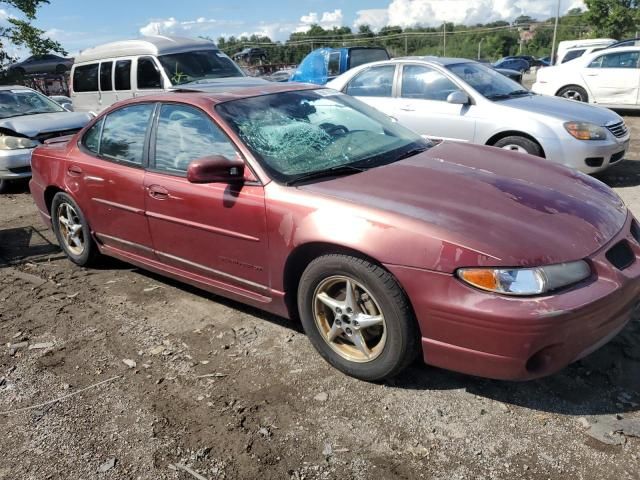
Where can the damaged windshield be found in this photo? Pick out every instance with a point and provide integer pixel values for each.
(189, 67)
(303, 134)
(18, 102)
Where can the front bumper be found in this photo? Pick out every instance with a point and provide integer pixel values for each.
(15, 164)
(512, 338)
(587, 156)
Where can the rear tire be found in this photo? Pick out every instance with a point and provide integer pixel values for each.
(378, 315)
(72, 230)
(4, 185)
(519, 144)
(574, 92)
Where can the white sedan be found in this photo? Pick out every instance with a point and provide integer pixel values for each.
(608, 77)
(461, 100)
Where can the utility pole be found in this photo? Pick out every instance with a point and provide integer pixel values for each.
(555, 34)
(479, 47)
(444, 39)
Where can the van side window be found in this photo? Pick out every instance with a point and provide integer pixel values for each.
(105, 76)
(123, 75)
(85, 78)
(148, 74)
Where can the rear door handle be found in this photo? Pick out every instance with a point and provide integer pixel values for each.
(158, 192)
(74, 171)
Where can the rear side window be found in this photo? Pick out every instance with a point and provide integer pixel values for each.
(106, 69)
(85, 78)
(91, 139)
(124, 133)
(123, 75)
(185, 134)
(616, 60)
(373, 82)
(571, 55)
(148, 74)
(359, 57)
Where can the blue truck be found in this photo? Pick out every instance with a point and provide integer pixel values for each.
(324, 64)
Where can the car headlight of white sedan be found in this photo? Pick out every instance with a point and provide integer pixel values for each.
(526, 281)
(585, 131)
(8, 142)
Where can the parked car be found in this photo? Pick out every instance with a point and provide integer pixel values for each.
(117, 71)
(609, 77)
(517, 64)
(249, 55)
(462, 100)
(544, 61)
(530, 59)
(48, 63)
(324, 64)
(565, 45)
(28, 118)
(485, 261)
(64, 101)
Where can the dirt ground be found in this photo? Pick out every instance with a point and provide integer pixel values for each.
(233, 393)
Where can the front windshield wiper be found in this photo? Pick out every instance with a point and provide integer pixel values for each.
(517, 93)
(329, 172)
(410, 153)
(505, 96)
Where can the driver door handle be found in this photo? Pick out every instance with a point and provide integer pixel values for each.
(157, 192)
(74, 171)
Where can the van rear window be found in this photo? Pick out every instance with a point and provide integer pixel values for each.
(85, 78)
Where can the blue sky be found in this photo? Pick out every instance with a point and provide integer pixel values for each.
(81, 24)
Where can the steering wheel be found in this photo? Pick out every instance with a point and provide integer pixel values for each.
(334, 130)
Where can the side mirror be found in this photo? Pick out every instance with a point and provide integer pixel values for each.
(215, 169)
(458, 98)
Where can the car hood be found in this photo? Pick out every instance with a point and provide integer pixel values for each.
(33, 125)
(562, 109)
(514, 209)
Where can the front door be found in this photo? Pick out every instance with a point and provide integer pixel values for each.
(216, 231)
(422, 105)
(614, 78)
(107, 174)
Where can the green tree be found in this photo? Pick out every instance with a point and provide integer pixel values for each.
(612, 18)
(21, 33)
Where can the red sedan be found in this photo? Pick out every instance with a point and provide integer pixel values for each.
(307, 203)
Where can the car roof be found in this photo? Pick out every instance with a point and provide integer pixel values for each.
(225, 90)
(149, 45)
(438, 60)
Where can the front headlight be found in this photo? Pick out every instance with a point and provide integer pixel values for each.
(585, 131)
(14, 143)
(525, 281)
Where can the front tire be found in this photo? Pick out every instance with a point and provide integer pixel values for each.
(574, 92)
(357, 317)
(519, 144)
(72, 230)
(4, 185)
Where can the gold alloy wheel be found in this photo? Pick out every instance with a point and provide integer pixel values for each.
(70, 228)
(349, 319)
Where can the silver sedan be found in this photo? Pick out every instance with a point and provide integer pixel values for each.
(462, 100)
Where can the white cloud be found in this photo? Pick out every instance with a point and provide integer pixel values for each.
(408, 13)
(327, 20)
(199, 26)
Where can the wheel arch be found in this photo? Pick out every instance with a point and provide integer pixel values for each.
(303, 255)
(49, 193)
(514, 133)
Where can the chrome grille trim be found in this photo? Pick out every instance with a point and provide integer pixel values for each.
(618, 130)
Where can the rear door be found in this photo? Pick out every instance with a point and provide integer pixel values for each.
(106, 175)
(422, 105)
(217, 230)
(374, 86)
(614, 78)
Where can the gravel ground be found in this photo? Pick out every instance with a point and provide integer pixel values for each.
(196, 382)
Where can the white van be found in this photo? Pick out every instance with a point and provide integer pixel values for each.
(116, 71)
(571, 49)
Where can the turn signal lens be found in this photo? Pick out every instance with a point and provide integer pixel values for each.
(585, 131)
(525, 281)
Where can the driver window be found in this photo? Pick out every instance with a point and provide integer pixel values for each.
(425, 83)
(185, 134)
